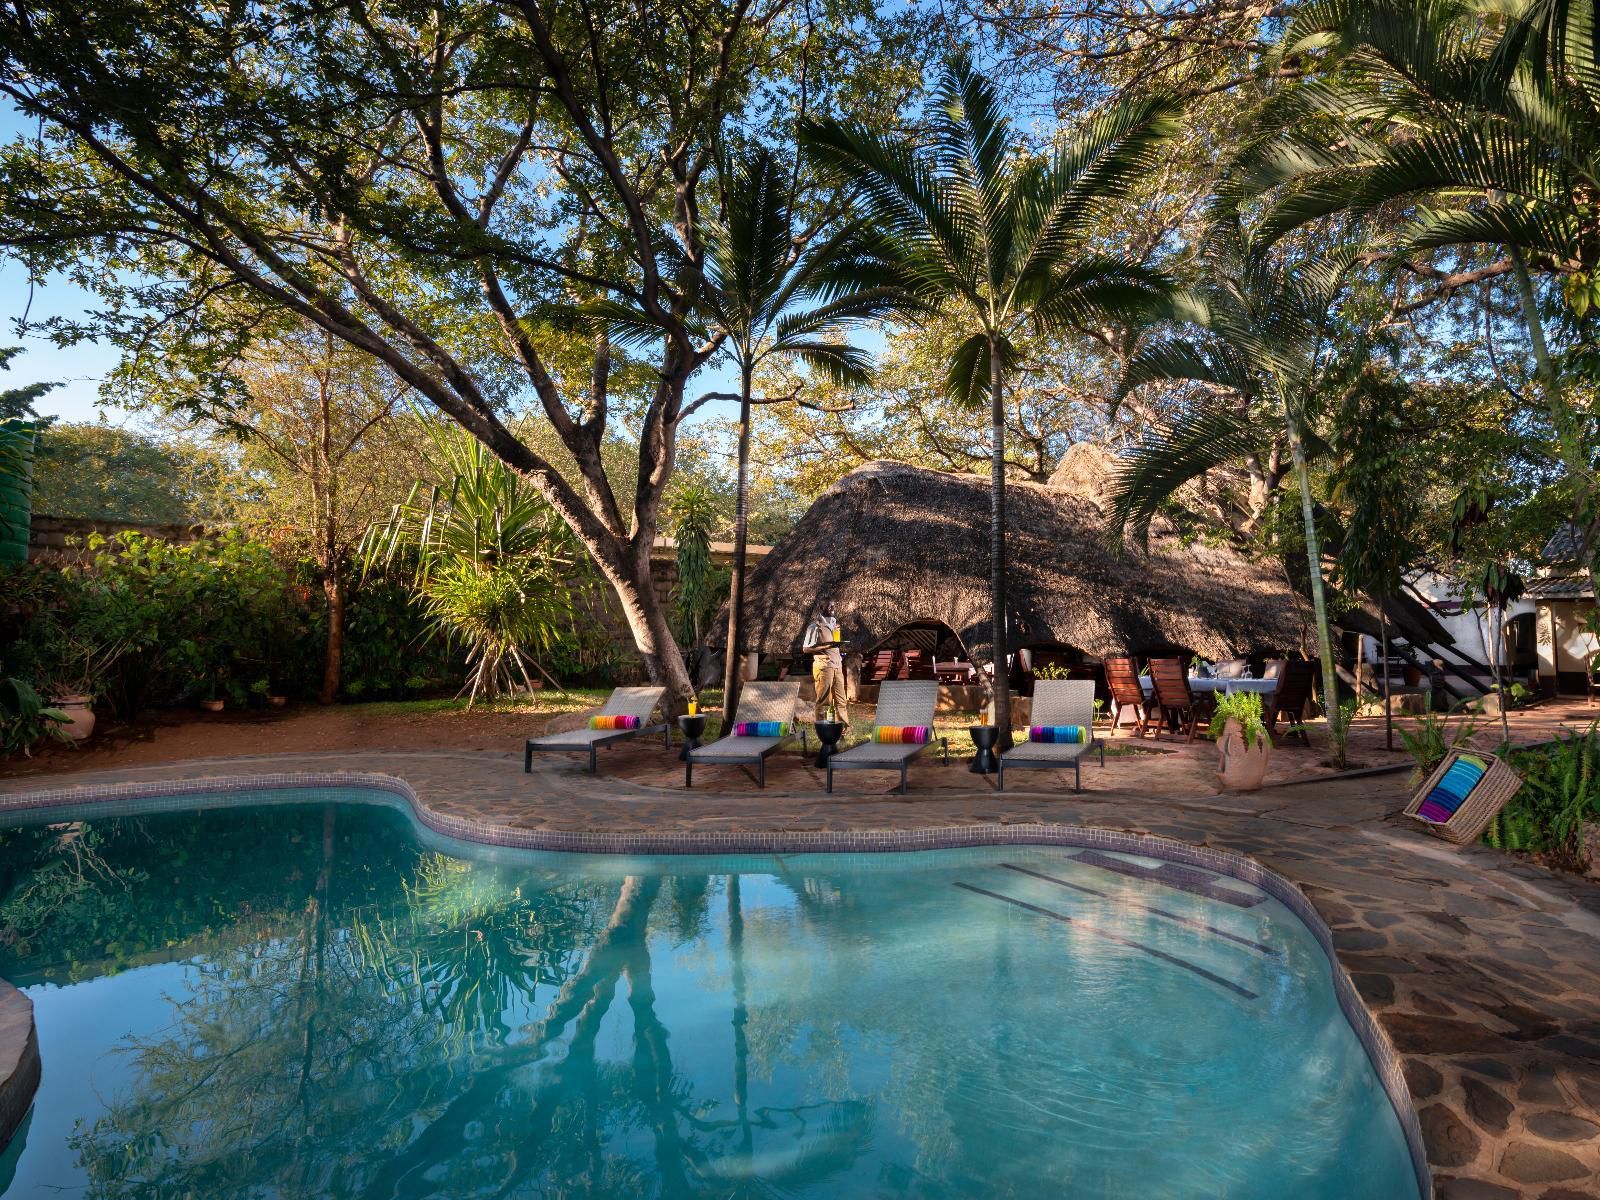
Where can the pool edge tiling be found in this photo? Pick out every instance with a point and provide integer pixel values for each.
(1374, 1040)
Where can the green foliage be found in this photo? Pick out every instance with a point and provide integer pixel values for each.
(1478, 134)
(25, 718)
(702, 585)
(100, 471)
(1370, 481)
(1560, 793)
(497, 571)
(1245, 708)
(1433, 736)
(202, 620)
(387, 653)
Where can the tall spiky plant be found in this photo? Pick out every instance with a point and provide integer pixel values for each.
(1260, 341)
(497, 570)
(966, 223)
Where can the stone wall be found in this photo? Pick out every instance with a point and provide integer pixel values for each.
(60, 539)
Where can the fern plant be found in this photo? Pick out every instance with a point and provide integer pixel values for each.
(1432, 736)
(1559, 796)
(1245, 708)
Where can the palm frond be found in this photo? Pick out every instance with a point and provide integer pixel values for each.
(1098, 165)
(966, 379)
(840, 362)
(1097, 289)
(1166, 460)
(929, 241)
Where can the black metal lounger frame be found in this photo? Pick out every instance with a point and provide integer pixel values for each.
(1044, 764)
(903, 764)
(621, 735)
(757, 760)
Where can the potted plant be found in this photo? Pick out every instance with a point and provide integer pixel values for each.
(78, 666)
(1243, 746)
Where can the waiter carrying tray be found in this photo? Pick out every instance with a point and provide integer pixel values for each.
(827, 663)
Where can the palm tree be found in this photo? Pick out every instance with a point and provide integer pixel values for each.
(1260, 348)
(969, 224)
(1488, 129)
(773, 295)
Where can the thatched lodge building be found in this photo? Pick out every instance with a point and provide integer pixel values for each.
(898, 546)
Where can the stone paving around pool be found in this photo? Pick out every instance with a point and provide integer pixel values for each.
(1483, 970)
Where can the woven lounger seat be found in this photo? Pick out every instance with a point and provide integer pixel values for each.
(638, 702)
(1057, 702)
(1498, 784)
(900, 703)
(760, 701)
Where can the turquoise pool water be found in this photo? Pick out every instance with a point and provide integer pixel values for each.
(317, 999)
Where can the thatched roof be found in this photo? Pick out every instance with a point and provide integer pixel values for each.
(893, 544)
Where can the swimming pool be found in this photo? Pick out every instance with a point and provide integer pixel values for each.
(316, 997)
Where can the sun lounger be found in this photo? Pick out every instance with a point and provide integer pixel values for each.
(759, 703)
(1057, 702)
(901, 704)
(639, 702)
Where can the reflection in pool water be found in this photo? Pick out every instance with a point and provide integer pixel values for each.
(308, 999)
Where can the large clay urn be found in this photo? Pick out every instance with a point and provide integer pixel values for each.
(80, 716)
(1241, 768)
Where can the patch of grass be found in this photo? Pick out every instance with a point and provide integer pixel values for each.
(546, 702)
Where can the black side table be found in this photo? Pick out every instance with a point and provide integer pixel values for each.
(692, 728)
(828, 735)
(984, 737)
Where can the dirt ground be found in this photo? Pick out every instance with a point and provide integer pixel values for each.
(1167, 764)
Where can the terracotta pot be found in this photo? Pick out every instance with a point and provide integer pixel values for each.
(80, 716)
(211, 705)
(277, 701)
(1240, 768)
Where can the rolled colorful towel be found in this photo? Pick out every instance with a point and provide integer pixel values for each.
(1058, 733)
(1454, 786)
(761, 729)
(902, 735)
(613, 722)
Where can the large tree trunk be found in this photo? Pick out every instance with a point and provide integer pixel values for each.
(333, 587)
(1319, 602)
(741, 526)
(997, 550)
(635, 589)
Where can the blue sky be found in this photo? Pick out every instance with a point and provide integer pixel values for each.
(78, 369)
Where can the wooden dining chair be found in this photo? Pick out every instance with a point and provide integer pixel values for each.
(1290, 698)
(1122, 679)
(1173, 697)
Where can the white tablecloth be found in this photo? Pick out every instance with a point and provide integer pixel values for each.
(1206, 683)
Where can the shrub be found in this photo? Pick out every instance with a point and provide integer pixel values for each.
(25, 718)
(1560, 793)
(199, 620)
